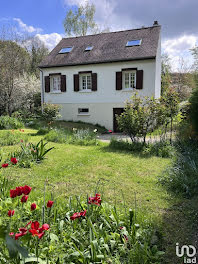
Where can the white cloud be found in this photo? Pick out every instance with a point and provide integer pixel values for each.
(24, 27)
(50, 40)
(106, 15)
(178, 48)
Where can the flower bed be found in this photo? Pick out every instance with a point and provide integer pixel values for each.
(48, 231)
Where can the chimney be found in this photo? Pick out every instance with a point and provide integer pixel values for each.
(155, 23)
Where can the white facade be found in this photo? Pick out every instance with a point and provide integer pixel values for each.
(102, 101)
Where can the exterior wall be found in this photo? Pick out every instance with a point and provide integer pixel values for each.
(158, 70)
(102, 101)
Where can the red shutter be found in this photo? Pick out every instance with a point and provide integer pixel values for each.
(76, 82)
(139, 79)
(47, 84)
(118, 80)
(94, 81)
(63, 83)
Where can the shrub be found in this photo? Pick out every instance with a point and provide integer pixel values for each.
(77, 232)
(193, 109)
(7, 122)
(50, 112)
(160, 149)
(8, 138)
(55, 135)
(182, 176)
(79, 136)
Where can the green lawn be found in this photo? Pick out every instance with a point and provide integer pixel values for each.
(76, 170)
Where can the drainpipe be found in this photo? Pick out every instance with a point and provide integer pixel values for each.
(42, 91)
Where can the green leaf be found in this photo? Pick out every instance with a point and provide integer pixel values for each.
(14, 248)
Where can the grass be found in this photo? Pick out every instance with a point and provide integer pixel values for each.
(75, 170)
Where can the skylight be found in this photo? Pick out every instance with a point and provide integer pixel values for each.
(135, 42)
(66, 50)
(88, 48)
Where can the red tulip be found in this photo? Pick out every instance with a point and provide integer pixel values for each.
(45, 227)
(19, 190)
(11, 213)
(110, 131)
(35, 225)
(11, 234)
(78, 215)
(95, 200)
(33, 206)
(24, 198)
(49, 204)
(13, 193)
(36, 231)
(4, 165)
(17, 235)
(14, 160)
(26, 189)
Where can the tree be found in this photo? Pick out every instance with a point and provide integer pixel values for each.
(17, 84)
(13, 63)
(165, 74)
(80, 21)
(140, 117)
(37, 52)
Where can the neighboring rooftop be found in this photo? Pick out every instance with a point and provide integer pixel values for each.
(107, 47)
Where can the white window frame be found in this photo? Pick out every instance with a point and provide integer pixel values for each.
(130, 73)
(84, 82)
(55, 80)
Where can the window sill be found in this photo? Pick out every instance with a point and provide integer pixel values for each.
(128, 89)
(83, 114)
(59, 92)
(85, 91)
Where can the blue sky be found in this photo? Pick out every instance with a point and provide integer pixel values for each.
(44, 19)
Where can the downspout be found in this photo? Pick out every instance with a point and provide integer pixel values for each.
(42, 91)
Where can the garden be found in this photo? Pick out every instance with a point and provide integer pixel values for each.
(67, 197)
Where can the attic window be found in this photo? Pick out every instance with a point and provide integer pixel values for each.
(66, 50)
(88, 48)
(135, 42)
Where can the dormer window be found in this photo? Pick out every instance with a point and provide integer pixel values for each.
(88, 48)
(135, 42)
(65, 50)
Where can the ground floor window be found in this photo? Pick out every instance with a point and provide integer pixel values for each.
(83, 111)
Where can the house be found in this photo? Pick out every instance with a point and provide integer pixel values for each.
(92, 76)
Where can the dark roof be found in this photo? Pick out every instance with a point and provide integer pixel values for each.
(107, 47)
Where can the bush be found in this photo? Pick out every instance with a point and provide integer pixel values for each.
(89, 231)
(160, 149)
(182, 176)
(79, 136)
(7, 122)
(50, 112)
(193, 109)
(8, 138)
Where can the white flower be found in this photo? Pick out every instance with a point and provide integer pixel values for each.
(95, 130)
(74, 129)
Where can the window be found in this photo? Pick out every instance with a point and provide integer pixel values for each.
(66, 50)
(55, 83)
(129, 80)
(135, 42)
(83, 111)
(85, 82)
(88, 48)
